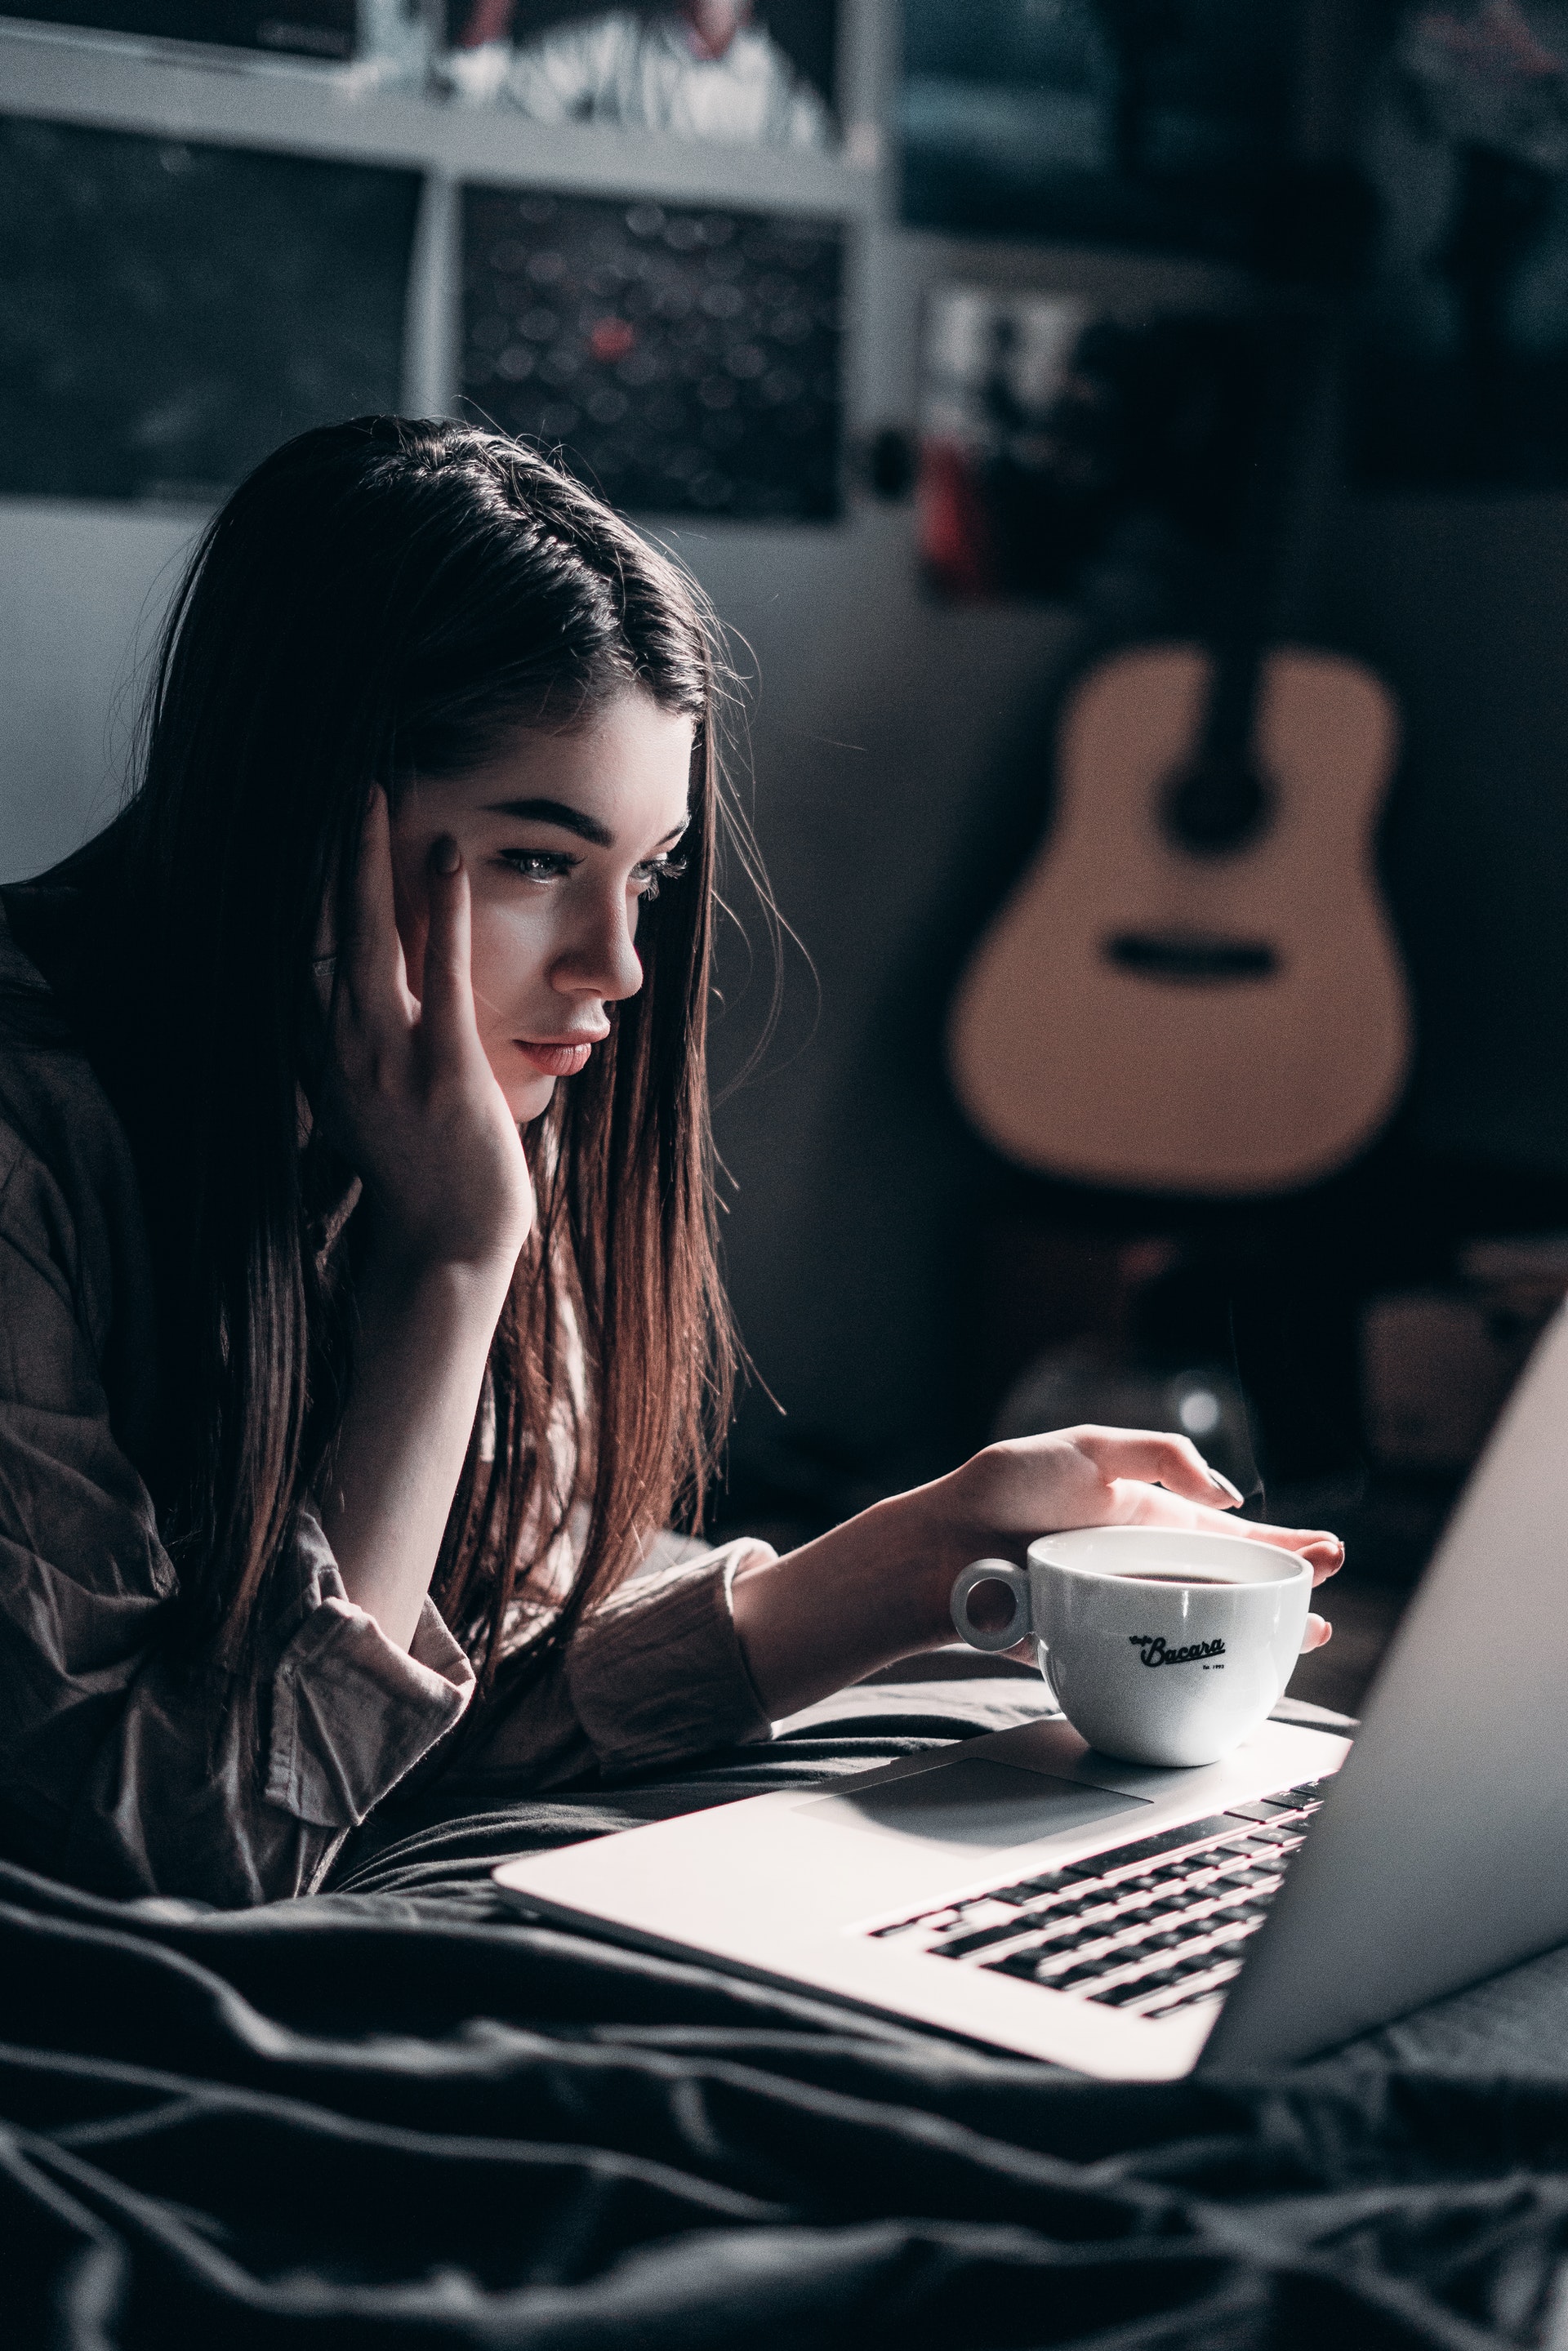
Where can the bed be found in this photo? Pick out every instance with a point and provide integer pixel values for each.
(393, 2113)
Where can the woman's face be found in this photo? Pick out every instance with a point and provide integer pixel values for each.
(562, 837)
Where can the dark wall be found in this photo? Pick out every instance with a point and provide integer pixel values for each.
(1463, 603)
(902, 764)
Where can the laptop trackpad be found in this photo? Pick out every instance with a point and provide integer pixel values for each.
(973, 1802)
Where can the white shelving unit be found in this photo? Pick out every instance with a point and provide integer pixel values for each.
(213, 95)
(325, 110)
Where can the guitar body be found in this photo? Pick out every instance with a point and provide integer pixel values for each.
(1149, 1017)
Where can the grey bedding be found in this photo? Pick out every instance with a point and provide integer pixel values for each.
(394, 2114)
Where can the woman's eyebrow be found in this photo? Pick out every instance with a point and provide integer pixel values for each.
(570, 820)
(544, 812)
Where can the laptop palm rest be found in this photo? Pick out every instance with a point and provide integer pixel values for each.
(975, 1803)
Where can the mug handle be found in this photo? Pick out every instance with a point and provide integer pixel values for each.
(992, 1570)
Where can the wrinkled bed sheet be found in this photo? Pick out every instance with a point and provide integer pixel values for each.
(394, 2114)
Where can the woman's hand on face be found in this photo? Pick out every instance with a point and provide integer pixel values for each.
(411, 1099)
(1003, 1497)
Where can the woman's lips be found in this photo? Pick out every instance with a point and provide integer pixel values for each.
(555, 1060)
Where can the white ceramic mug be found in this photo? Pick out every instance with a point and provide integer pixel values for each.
(1158, 1644)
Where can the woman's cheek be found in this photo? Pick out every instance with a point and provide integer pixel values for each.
(508, 959)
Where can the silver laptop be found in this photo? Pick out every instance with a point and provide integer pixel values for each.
(1029, 1893)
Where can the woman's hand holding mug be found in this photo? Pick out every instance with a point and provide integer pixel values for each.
(880, 1586)
(1164, 1634)
(1005, 1497)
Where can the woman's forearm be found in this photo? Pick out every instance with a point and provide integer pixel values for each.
(419, 1365)
(416, 1110)
(827, 1614)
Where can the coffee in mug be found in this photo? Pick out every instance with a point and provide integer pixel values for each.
(1148, 1576)
(1160, 1645)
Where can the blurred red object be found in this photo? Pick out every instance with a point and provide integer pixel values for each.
(611, 339)
(488, 20)
(956, 545)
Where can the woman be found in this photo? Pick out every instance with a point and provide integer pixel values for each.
(357, 1281)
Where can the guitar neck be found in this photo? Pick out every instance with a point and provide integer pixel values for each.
(1230, 713)
(1293, 450)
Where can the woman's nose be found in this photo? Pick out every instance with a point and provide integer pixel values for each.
(603, 957)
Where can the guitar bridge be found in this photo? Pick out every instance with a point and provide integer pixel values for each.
(1192, 958)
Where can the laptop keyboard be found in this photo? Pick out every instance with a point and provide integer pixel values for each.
(1148, 1928)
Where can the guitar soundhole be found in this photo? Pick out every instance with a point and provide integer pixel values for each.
(1192, 958)
(1217, 806)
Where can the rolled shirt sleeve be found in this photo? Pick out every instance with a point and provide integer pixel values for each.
(653, 1676)
(351, 1713)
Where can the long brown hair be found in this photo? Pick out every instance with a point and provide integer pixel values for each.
(383, 599)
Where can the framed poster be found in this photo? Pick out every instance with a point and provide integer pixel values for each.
(683, 361)
(168, 311)
(1462, 370)
(743, 72)
(1157, 124)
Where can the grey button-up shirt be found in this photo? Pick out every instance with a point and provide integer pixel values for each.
(121, 1769)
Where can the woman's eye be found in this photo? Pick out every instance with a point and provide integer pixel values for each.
(539, 864)
(647, 878)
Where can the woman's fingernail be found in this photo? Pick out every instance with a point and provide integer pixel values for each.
(1225, 1486)
(443, 855)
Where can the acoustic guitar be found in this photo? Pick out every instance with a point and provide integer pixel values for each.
(1195, 987)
